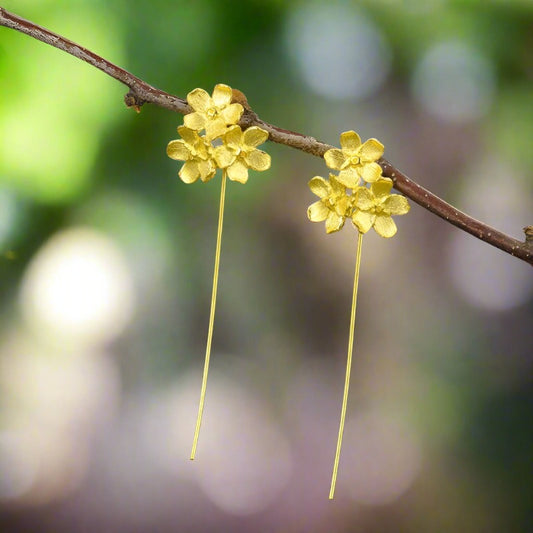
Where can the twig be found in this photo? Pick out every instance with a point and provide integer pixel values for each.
(141, 93)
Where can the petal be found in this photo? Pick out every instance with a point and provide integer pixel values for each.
(334, 222)
(348, 178)
(215, 128)
(232, 113)
(207, 170)
(222, 95)
(257, 160)
(178, 150)
(334, 158)
(195, 121)
(233, 136)
(343, 205)
(381, 188)
(372, 150)
(337, 188)
(320, 187)
(255, 136)
(371, 172)
(317, 212)
(189, 135)
(385, 226)
(396, 204)
(238, 172)
(350, 141)
(364, 199)
(224, 157)
(199, 100)
(189, 172)
(363, 220)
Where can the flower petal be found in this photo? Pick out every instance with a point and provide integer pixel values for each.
(334, 222)
(178, 150)
(385, 226)
(215, 128)
(238, 172)
(188, 135)
(317, 212)
(363, 220)
(233, 136)
(207, 170)
(189, 172)
(337, 188)
(371, 172)
(199, 100)
(334, 158)
(255, 136)
(224, 157)
(350, 141)
(232, 113)
(320, 187)
(348, 178)
(343, 205)
(372, 150)
(381, 188)
(257, 160)
(222, 95)
(195, 121)
(396, 204)
(364, 199)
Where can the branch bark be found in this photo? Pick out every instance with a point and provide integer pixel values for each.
(141, 92)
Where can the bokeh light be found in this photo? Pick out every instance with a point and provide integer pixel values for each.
(381, 458)
(338, 50)
(454, 82)
(78, 287)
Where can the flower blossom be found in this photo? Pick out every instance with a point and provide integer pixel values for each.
(238, 152)
(197, 154)
(375, 206)
(334, 205)
(214, 114)
(355, 160)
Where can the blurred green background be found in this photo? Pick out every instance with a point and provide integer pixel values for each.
(106, 262)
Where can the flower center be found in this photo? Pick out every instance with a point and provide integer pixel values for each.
(211, 112)
(355, 160)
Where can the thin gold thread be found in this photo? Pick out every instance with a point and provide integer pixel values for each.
(211, 316)
(348, 367)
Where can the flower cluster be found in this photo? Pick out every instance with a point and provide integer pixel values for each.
(223, 144)
(358, 192)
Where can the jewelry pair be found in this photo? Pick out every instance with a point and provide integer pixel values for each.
(211, 139)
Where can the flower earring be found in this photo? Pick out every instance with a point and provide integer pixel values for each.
(359, 192)
(235, 152)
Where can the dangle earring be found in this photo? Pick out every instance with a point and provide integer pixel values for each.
(235, 152)
(361, 193)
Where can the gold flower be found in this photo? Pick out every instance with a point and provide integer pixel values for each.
(238, 153)
(214, 113)
(355, 160)
(197, 154)
(334, 204)
(375, 206)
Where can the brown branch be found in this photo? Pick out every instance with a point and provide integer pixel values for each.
(141, 92)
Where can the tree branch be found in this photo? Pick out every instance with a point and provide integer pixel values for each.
(141, 93)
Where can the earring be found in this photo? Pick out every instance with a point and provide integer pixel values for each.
(223, 145)
(361, 193)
